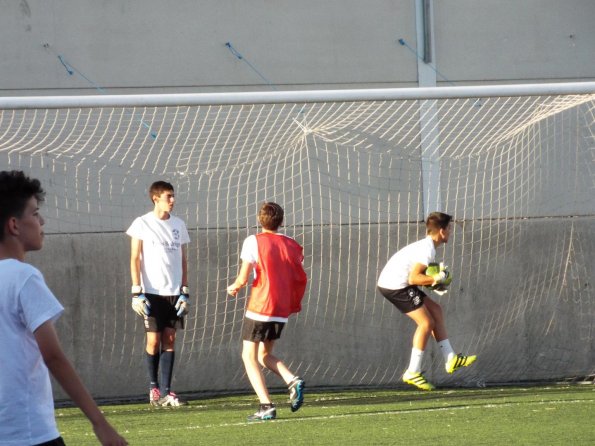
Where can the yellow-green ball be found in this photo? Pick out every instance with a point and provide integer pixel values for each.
(433, 269)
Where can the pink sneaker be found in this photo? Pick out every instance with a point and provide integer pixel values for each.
(154, 396)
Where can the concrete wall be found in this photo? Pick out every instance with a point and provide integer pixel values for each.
(179, 45)
(526, 318)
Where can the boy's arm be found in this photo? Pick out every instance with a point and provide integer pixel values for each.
(242, 278)
(136, 248)
(417, 276)
(63, 371)
(184, 265)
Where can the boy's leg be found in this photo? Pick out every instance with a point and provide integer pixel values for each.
(425, 326)
(435, 311)
(266, 410)
(153, 347)
(253, 370)
(168, 339)
(271, 362)
(452, 360)
(168, 356)
(152, 360)
(295, 384)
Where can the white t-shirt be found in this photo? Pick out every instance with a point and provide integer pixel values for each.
(26, 401)
(395, 275)
(161, 257)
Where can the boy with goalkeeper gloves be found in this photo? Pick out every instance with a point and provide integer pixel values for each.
(411, 267)
(160, 294)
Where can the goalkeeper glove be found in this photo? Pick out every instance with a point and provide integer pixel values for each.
(440, 290)
(140, 303)
(182, 303)
(442, 277)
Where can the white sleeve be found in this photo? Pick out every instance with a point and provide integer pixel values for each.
(185, 237)
(38, 303)
(424, 253)
(136, 229)
(249, 250)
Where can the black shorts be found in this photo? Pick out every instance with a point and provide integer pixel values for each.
(163, 314)
(257, 331)
(406, 299)
(56, 442)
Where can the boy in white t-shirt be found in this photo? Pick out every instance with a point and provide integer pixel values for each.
(277, 292)
(399, 281)
(160, 293)
(30, 346)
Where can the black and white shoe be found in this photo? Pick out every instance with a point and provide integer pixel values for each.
(265, 412)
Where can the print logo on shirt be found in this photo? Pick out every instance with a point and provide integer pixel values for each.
(167, 246)
(176, 234)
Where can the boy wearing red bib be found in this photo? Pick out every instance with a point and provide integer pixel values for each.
(277, 292)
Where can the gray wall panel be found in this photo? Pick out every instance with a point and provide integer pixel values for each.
(526, 318)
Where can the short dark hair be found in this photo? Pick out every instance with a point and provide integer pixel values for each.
(16, 189)
(158, 187)
(437, 221)
(270, 216)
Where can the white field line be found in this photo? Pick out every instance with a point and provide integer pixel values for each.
(385, 412)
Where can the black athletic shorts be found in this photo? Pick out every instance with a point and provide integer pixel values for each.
(257, 331)
(406, 299)
(163, 314)
(56, 442)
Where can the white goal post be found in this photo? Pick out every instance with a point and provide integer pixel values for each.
(357, 171)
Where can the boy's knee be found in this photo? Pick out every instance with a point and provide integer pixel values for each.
(428, 325)
(152, 347)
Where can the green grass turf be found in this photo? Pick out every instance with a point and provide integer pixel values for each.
(545, 415)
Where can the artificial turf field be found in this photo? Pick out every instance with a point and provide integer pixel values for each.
(536, 415)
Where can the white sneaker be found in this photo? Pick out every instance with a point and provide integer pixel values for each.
(172, 400)
(265, 412)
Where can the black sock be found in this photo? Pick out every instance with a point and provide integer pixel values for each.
(153, 367)
(167, 368)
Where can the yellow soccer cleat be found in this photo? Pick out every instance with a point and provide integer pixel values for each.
(417, 380)
(458, 361)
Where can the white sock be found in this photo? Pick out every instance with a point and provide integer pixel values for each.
(415, 363)
(447, 352)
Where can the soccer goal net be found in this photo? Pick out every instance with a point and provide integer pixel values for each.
(356, 172)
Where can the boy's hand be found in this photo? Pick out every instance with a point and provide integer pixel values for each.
(233, 289)
(107, 435)
(182, 303)
(140, 303)
(441, 278)
(440, 274)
